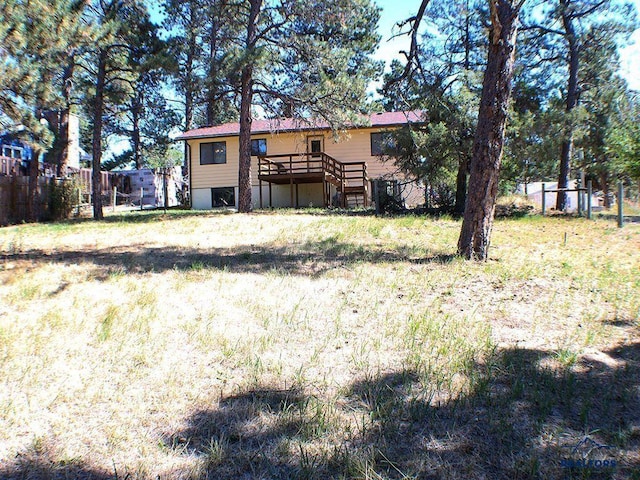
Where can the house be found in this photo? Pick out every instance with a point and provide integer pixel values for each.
(295, 164)
(14, 155)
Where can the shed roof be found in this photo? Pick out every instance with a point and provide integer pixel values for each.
(384, 119)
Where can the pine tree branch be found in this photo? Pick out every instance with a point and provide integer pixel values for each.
(413, 52)
(542, 29)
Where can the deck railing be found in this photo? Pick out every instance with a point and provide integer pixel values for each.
(290, 164)
(344, 175)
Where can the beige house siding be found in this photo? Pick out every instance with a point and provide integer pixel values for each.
(354, 146)
(219, 175)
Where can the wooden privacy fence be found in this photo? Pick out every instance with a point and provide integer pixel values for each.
(15, 194)
(14, 199)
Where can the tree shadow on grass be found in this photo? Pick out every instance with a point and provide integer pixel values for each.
(309, 259)
(159, 215)
(246, 435)
(145, 216)
(613, 217)
(34, 466)
(525, 417)
(622, 322)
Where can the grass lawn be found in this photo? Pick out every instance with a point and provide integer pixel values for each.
(302, 345)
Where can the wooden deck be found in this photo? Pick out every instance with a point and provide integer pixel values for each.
(296, 178)
(349, 178)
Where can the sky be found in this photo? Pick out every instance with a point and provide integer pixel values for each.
(394, 11)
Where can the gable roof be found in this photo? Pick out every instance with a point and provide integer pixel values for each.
(385, 119)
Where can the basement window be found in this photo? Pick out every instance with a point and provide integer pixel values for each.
(223, 197)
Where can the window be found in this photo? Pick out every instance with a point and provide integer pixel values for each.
(213, 153)
(259, 146)
(316, 146)
(12, 152)
(223, 197)
(381, 143)
(388, 188)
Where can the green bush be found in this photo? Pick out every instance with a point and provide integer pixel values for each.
(63, 199)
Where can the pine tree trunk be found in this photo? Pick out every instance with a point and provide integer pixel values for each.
(475, 234)
(572, 102)
(63, 160)
(189, 88)
(463, 163)
(33, 201)
(461, 186)
(67, 78)
(246, 97)
(98, 107)
(244, 170)
(213, 67)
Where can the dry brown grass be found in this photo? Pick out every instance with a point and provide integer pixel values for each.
(295, 345)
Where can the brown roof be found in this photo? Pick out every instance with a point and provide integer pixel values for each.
(385, 119)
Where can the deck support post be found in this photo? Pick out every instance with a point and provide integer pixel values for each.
(365, 195)
(291, 190)
(291, 181)
(324, 193)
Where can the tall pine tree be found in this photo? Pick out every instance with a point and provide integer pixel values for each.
(559, 35)
(123, 30)
(475, 234)
(308, 59)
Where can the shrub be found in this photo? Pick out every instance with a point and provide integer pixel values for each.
(513, 206)
(62, 199)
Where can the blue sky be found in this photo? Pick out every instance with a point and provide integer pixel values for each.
(394, 11)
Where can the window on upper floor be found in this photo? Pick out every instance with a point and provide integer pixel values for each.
(259, 146)
(11, 151)
(382, 143)
(212, 153)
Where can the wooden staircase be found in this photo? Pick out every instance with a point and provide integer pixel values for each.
(349, 178)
